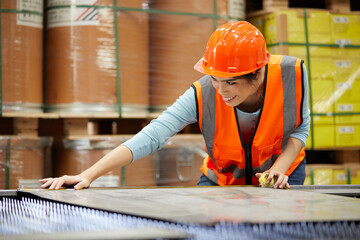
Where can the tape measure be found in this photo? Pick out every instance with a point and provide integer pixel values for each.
(263, 181)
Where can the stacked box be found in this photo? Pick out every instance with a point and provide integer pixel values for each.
(345, 28)
(288, 26)
(322, 135)
(326, 174)
(347, 135)
(334, 71)
(347, 88)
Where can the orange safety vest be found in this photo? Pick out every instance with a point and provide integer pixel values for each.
(229, 160)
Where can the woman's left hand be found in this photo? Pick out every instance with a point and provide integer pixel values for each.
(280, 179)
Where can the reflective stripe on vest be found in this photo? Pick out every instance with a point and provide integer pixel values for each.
(280, 114)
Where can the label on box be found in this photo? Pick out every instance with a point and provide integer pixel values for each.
(342, 19)
(237, 8)
(67, 14)
(341, 177)
(345, 86)
(346, 130)
(342, 42)
(106, 181)
(345, 107)
(343, 64)
(30, 19)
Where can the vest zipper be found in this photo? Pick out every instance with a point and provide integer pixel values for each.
(248, 165)
(247, 147)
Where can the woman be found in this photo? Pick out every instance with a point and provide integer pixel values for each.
(252, 109)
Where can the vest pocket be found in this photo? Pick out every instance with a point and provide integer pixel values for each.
(227, 155)
(266, 152)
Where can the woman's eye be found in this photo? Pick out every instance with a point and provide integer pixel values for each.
(230, 83)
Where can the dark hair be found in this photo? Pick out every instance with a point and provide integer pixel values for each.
(250, 76)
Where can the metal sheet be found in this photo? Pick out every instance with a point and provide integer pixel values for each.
(210, 205)
(128, 234)
(351, 190)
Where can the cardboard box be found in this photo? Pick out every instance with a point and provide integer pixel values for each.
(322, 98)
(347, 109)
(289, 26)
(347, 91)
(347, 135)
(322, 65)
(326, 174)
(345, 28)
(324, 135)
(353, 169)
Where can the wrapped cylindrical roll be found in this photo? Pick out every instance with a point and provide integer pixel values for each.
(178, 162)
(21, 55)
(178, 40)
(23, 160)
(77, 154)
(94, 62)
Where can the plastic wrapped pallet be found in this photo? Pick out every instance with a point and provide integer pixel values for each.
(94, 63)
(77, 154)
(178, 39)
(23, 161)
(21, 55)
(332, 68)
(178, 162)
(326, 174)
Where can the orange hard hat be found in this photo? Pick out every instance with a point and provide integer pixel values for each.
(234, 49)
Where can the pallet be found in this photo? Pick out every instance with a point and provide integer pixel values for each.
(260, 7)
(105, 115)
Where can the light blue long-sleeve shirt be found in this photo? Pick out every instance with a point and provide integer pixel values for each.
(182, 113)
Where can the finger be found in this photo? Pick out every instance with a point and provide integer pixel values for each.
(48, 183)
(283, 182)
(258, 175)
(287, 186)
(279, 180)
(59, 183)
(270, 177)
(53, 184)
(44, 180)
(84, 183)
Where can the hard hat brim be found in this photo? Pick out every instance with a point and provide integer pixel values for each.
(199, 66)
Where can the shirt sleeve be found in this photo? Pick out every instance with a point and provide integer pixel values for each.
(302, 131)
(158, 131)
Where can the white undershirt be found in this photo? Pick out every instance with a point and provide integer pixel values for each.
(247, 123)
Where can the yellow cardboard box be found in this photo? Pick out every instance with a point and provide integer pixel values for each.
(346, 70)
(326, 174)
(354, 170)
(347, 109)
(345, 28)
(322, 94)
(324, 134)
(347, 92)
(289, 26)
(322, 66)
(347, 135)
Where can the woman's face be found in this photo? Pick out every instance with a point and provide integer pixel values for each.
(236, 91)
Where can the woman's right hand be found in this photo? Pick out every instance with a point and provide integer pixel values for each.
(77, 181)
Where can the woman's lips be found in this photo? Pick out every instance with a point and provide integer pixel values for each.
(228, 99)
